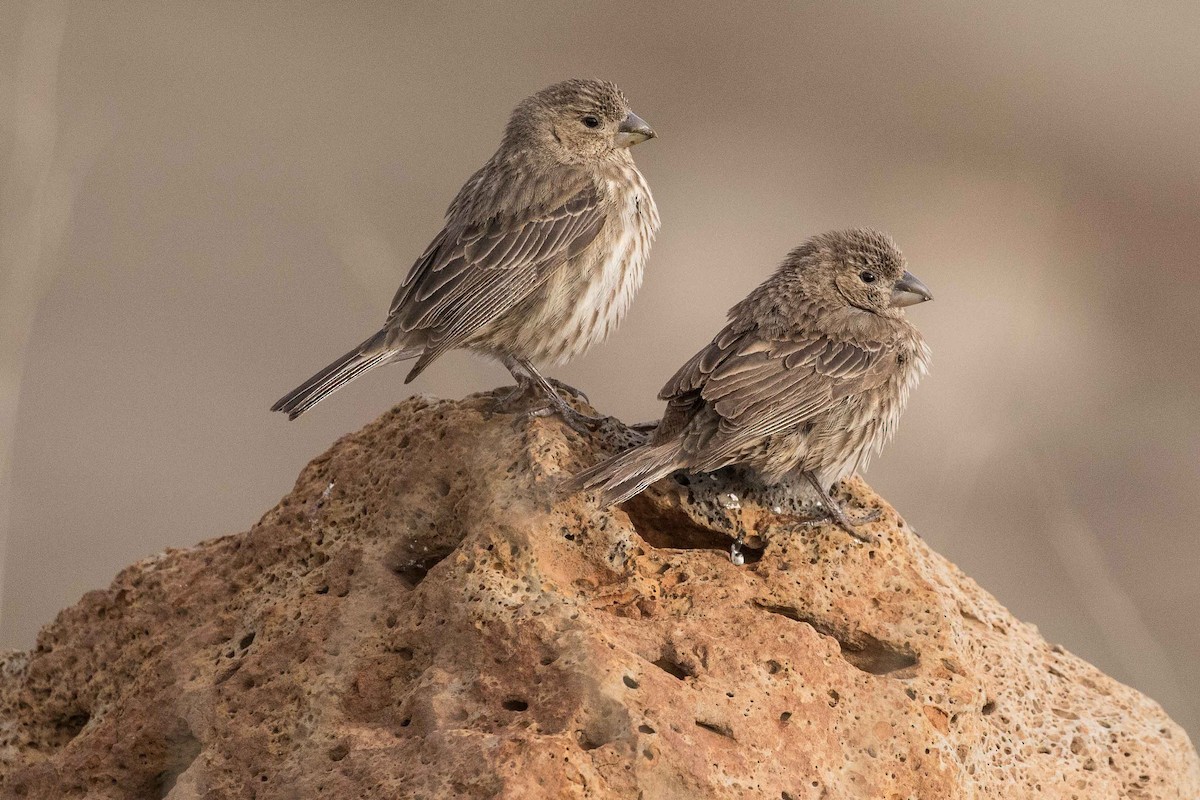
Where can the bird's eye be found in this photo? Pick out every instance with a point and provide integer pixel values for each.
(591, 122)
(866, 276)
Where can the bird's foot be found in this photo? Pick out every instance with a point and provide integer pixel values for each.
(508, 402)
(569, 389)
(532, 382)
(849, 525)
(834, 513)
(547, 403)
(576, 420)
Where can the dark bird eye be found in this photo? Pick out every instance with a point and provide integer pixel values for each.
(867, 277)
(591, 122)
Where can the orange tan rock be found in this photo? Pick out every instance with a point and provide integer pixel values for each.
(423, 618)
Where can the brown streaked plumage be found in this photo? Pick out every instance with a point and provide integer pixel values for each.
(541, 253)
(809, 376)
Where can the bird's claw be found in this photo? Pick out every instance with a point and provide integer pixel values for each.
(843, 521)
(569, 389)
(548, 405)
(577, 421)
(506, 403)
(834, 512)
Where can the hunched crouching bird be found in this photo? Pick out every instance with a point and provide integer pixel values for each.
(541, 253)
(809, 376)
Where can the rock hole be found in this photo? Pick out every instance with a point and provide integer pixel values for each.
(69, 726)
(717, 728)
(785, 716)
(671, 668)
(645, 729)
(586, 742)
(672, 529)
(339, 751)
(246, 641)
(413, 570)
(182, 749)
(630, 682)
(862, 650)
(515, 704)
(989, 707)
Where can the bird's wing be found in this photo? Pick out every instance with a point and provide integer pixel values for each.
(682, 391)
(759, 386)
(689, 378)
(474, 271)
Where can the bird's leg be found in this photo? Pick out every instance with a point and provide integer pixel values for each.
(524, 381)
(837, 515)
(529, 379)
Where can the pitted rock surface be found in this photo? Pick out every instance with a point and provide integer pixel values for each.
(424, 617)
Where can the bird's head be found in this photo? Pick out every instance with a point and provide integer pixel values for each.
(576, 121)
(858, 267)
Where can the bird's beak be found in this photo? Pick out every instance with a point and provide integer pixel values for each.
(909, 291)
(633, 130)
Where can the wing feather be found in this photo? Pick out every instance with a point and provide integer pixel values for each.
(473, 272)
(760, 385)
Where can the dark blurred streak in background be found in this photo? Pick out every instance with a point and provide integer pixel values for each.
(237, 189)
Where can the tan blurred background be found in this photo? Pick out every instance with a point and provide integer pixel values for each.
(202, 203)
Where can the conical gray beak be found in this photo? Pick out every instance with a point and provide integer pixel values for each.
(909, 291)
(633, 130)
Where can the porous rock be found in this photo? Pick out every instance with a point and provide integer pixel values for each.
(423, 617)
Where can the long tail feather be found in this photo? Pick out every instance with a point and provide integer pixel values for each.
(621, 477)
(366, 356)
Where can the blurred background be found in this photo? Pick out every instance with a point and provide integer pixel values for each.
(202, 203)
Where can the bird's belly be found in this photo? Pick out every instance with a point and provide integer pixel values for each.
(848, 449)
(831, 445)
(604, 292)
(852, 437)
(585, 300)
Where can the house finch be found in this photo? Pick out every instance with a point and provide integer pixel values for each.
(809, 376)
(540, 256)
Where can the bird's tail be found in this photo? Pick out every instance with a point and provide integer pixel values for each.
(366, 356)
(621, 477)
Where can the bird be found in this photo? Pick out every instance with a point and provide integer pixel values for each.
(808, 378)
(539, 258)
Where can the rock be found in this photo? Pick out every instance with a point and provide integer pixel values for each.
(422, 618)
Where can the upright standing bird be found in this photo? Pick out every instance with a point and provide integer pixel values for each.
(541, 253)
(809, 376)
